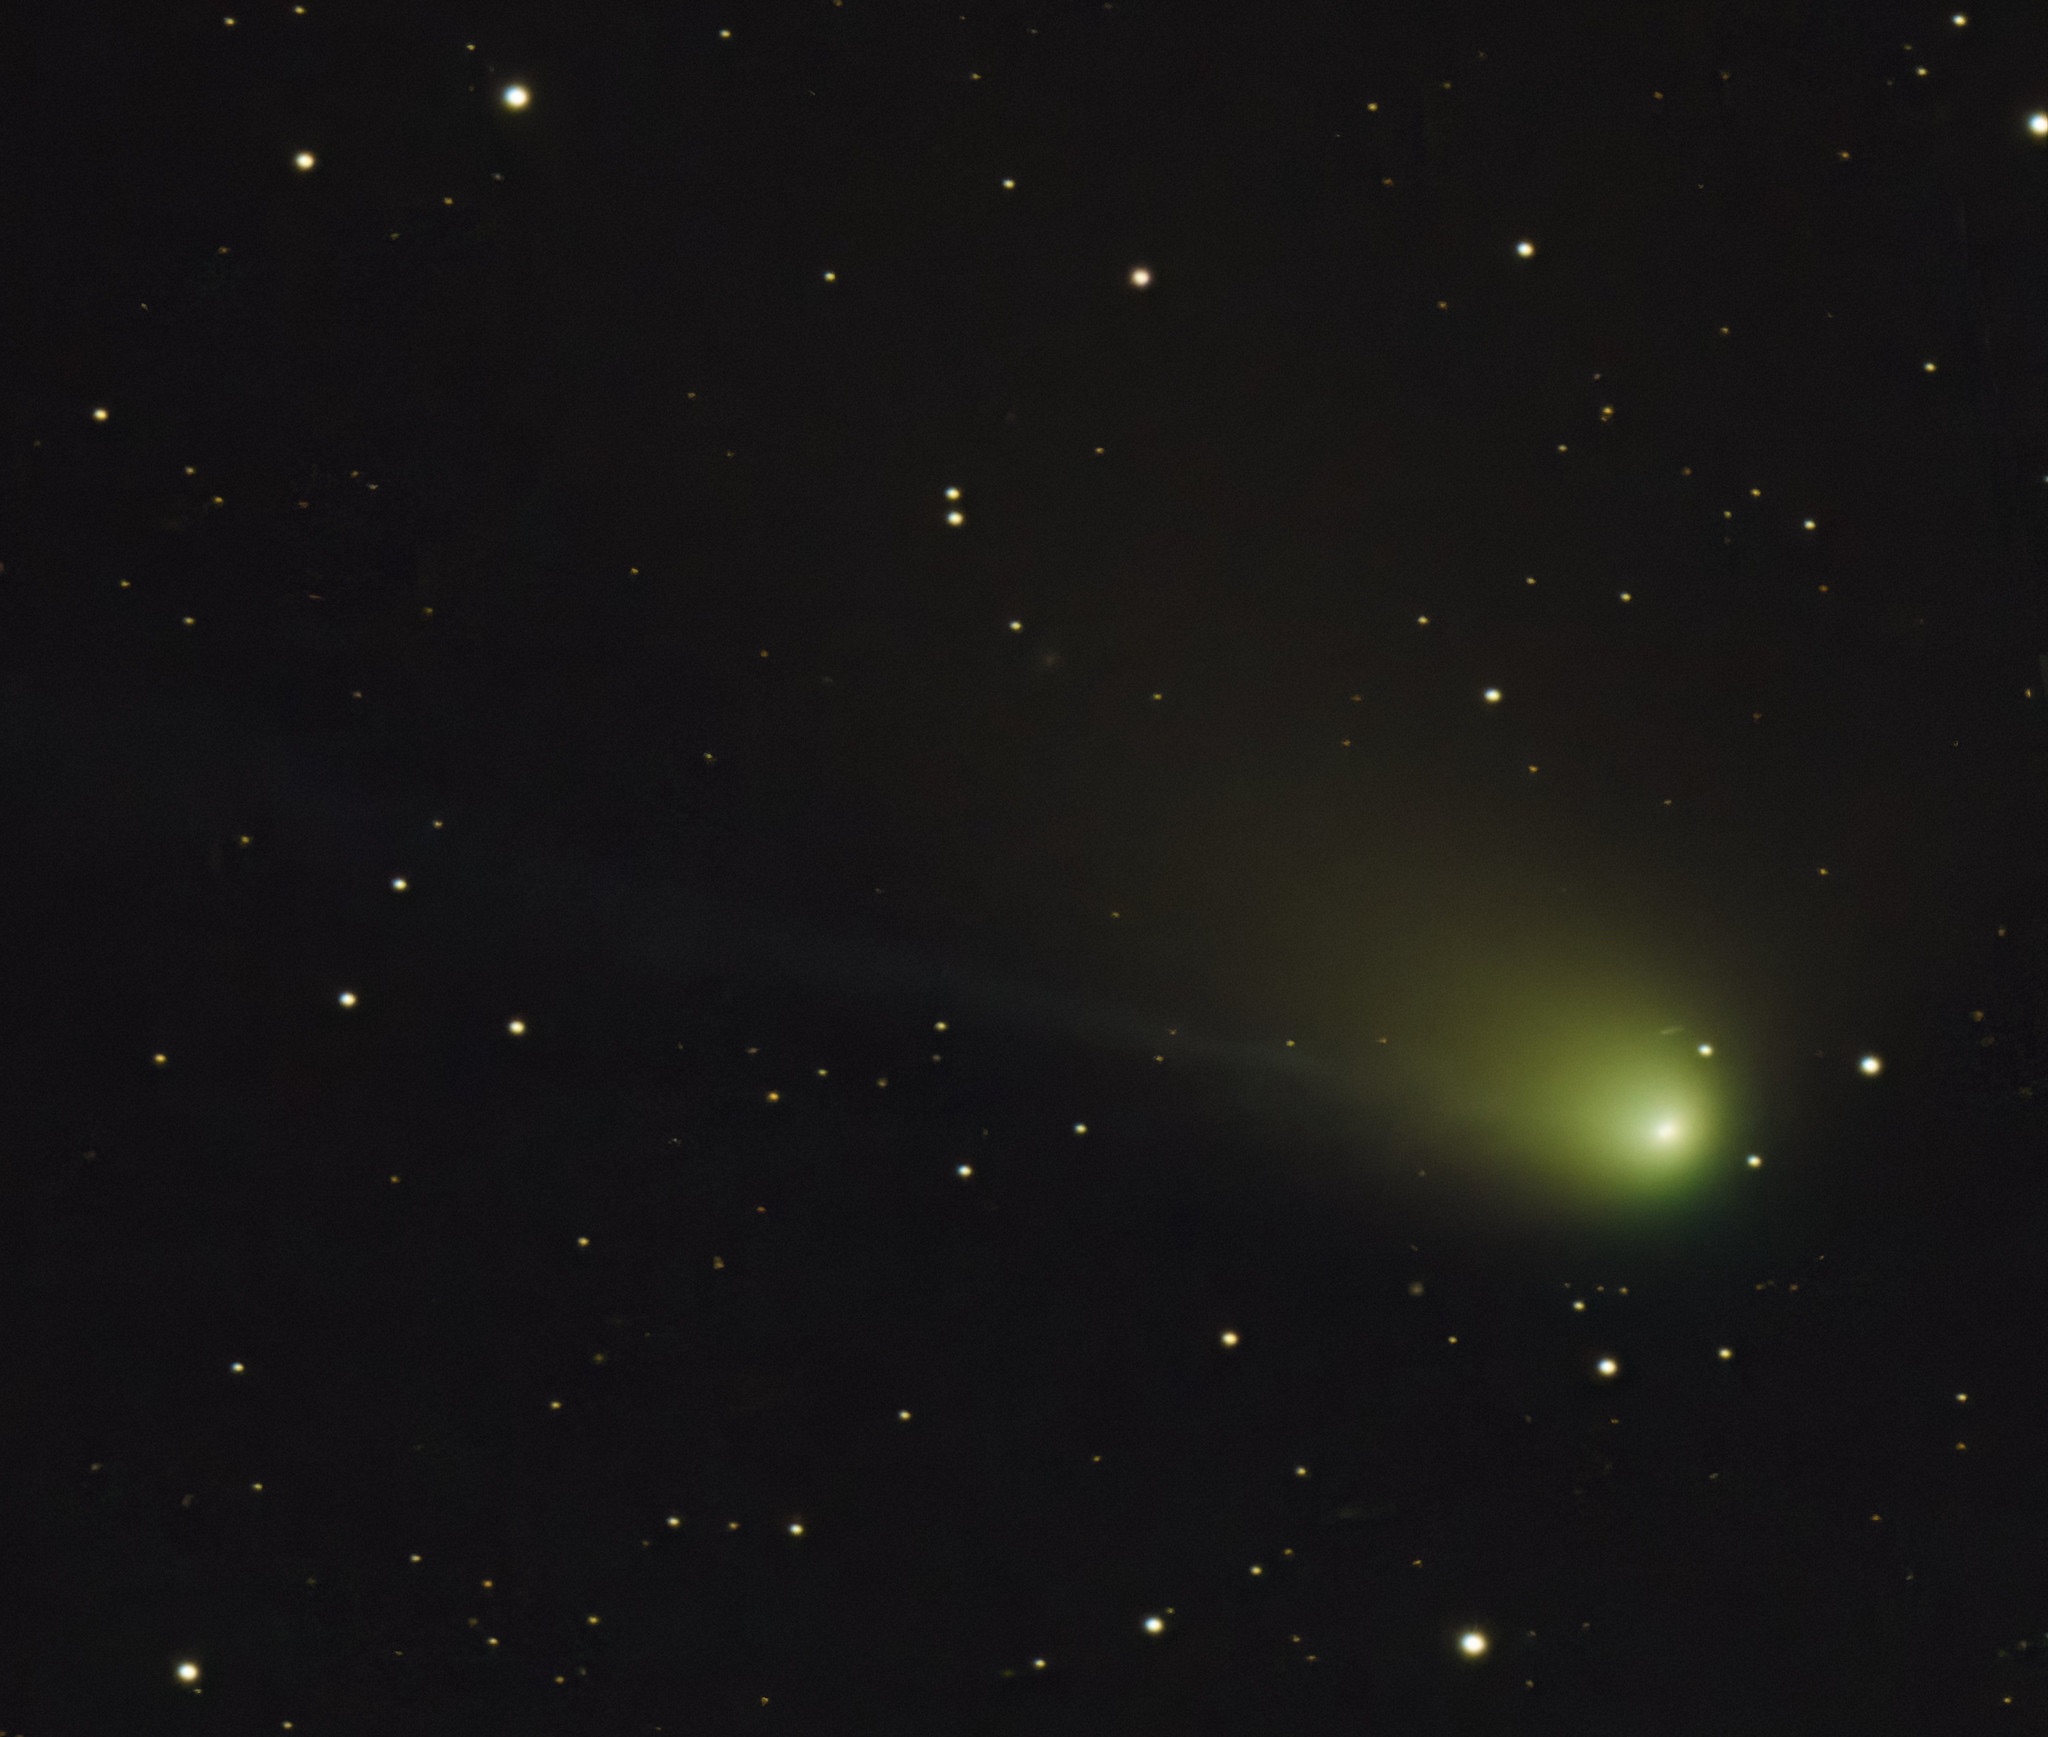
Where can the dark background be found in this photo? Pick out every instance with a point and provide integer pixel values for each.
(448, 499)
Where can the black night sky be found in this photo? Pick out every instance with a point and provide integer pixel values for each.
(1048, 868)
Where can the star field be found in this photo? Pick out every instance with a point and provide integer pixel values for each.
(1070, 867)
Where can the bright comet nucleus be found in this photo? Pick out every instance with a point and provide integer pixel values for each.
(1601, 1113)
(1546, 1081)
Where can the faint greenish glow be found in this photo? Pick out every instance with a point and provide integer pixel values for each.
(1576, 1103)
(1526, 1037)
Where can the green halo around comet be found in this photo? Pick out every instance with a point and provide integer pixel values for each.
(1570, 1111)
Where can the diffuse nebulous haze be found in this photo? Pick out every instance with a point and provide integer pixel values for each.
(1086, 867)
